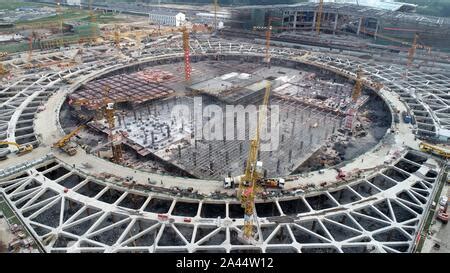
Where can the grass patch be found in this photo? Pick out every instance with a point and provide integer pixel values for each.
(66, 16)
(7, 212)
(10, 5)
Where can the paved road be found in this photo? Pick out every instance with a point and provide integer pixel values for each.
(440, 233)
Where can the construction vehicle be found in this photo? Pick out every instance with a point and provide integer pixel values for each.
(433, 149)
(66, 145)
(341, 174)
(231, 182)
(442, 211)
(406, 118)
(273, 183)
(3, 70)
(21, 149)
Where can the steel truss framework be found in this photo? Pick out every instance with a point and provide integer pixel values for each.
(378, 214)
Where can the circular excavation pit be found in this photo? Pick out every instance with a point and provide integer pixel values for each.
(202, 128)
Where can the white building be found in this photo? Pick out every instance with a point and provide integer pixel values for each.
(11, 37)
(74, 2)
(381, 4)
(167, 18)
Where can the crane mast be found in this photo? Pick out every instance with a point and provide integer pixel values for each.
(253, 173)
(319, 17)
(187, 56)
(117, 36)
(268, 36)
(60, 15)
(412, 50)
(215, 14)
(357, 88)
(93, 20)
(268, 30)
(109, 114)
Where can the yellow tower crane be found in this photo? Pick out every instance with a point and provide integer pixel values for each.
(187, 54)
(319, 17)
(268, 37)
(412, 50)
(117, 36)
(60, 15)
(109, 114)
(253, 173)
(357, 88)
(93, 21)
(268, 30)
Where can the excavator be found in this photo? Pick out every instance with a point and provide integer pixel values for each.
(21, 149)
(66, 145)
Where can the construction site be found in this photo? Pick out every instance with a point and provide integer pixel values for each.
(161, 136)
(312, 104)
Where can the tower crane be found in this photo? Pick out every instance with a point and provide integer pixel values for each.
(356, 93)
(59, 13)
(216, 6)
(357, 88)
(186, 48)
(115, 138)
(268, 30)
(93, 20)
(253, 176)
(412, 50)
(117, 36)
(319, 17)
(187, 54)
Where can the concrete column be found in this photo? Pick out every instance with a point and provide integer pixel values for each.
(295, 20)
(376, 29)
(336, 15)
(314, 21)
(359, 25)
